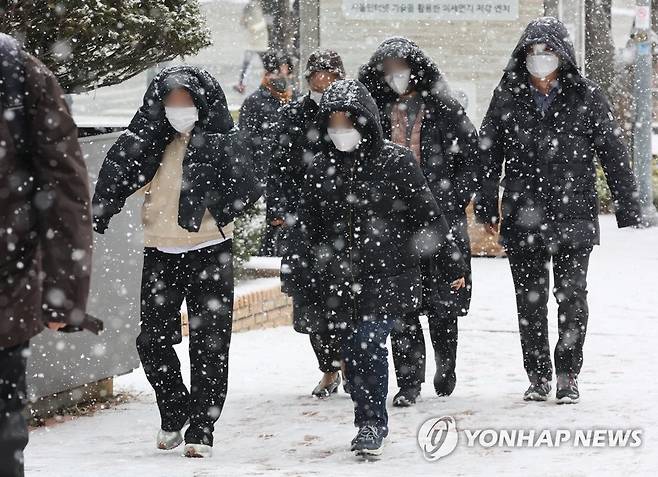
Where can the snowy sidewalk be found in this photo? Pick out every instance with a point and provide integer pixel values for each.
(272, 426)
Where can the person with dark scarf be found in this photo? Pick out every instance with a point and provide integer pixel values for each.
(182, 152)
(259, 121)
(417, 111)
(366, 219)
(546, 127)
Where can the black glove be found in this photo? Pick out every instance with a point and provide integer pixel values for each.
(89, 323)
(100, 223)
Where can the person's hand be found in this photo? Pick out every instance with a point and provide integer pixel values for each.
(55, 325)
(277, 222)
(491, 229)
(459, 283)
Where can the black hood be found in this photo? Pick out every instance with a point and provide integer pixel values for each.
(208, 96)
(552, 32)
(425, 74)
(352, 96)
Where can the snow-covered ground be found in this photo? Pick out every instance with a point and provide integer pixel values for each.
(272, 426)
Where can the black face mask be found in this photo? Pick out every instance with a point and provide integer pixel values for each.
(279, 84)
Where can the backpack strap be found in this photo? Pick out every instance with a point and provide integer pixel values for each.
(12, 91)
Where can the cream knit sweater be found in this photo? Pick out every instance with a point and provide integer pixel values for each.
(160, 209)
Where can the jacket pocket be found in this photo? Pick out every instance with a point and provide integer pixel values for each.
(576, 200)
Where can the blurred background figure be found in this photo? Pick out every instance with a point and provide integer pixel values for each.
(254, 23)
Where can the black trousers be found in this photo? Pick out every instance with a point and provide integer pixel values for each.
(13, 427)
(408, 345)
(204, 278)
(328, 350)
(530, 272)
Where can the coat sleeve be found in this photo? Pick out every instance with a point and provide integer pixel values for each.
(123, 171)
(297, 265)
(251, 123)
(62, 197)
(279, 176)
(614, 158)
(463, 147)
(431, 233)
(491, 165)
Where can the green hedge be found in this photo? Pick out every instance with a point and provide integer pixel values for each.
(604, 192)
(249, 228)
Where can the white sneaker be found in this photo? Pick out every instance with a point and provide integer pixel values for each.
(168, 440)
(197, 450)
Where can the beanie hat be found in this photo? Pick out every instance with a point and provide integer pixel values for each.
(324, 60)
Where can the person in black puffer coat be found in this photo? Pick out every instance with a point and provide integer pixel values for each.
(299, 141)
(545, 127)
(181, 150)
(417, 110)
(365, 221)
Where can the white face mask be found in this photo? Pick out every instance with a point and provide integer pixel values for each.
(182, 119)
(316, 96)
(541, 65)
(399, 81)
(345, 139)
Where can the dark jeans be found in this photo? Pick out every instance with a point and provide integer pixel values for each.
(530, 272)
(328, 350)
(204, 278)
(366, 361)
(13, 428)
(408, 345)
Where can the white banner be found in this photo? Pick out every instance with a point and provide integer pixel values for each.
(479, 10)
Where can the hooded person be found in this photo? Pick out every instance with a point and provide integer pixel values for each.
(545, 127)
(259, 122)
(299, 141)
(366, 218)
(417, 111)
(182, 152)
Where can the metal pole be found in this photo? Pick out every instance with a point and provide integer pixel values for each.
(642, 154)
(551, 8)
(309, 34)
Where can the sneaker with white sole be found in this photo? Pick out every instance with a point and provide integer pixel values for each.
(567, 389)
(369, 442)
(197, 450)
(538, 391)
(168, 440)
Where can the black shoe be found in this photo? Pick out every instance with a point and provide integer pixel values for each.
(198, 435)
(444, 385)
(567, 389)
(323, 392)
(538, 391)
(406, 396)
(369, 441)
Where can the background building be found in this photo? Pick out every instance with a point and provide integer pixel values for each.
(470, 40)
